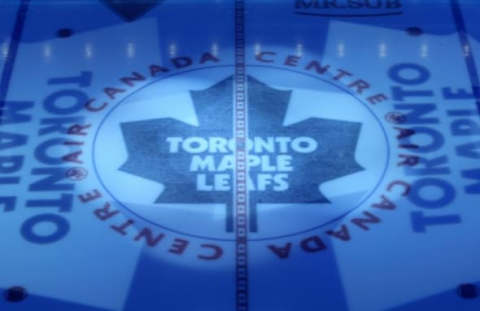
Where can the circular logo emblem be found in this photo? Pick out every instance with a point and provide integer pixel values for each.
(166, 152)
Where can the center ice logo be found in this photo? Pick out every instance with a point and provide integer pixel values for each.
(287, 163)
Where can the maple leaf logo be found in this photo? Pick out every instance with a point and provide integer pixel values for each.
(155, 152)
